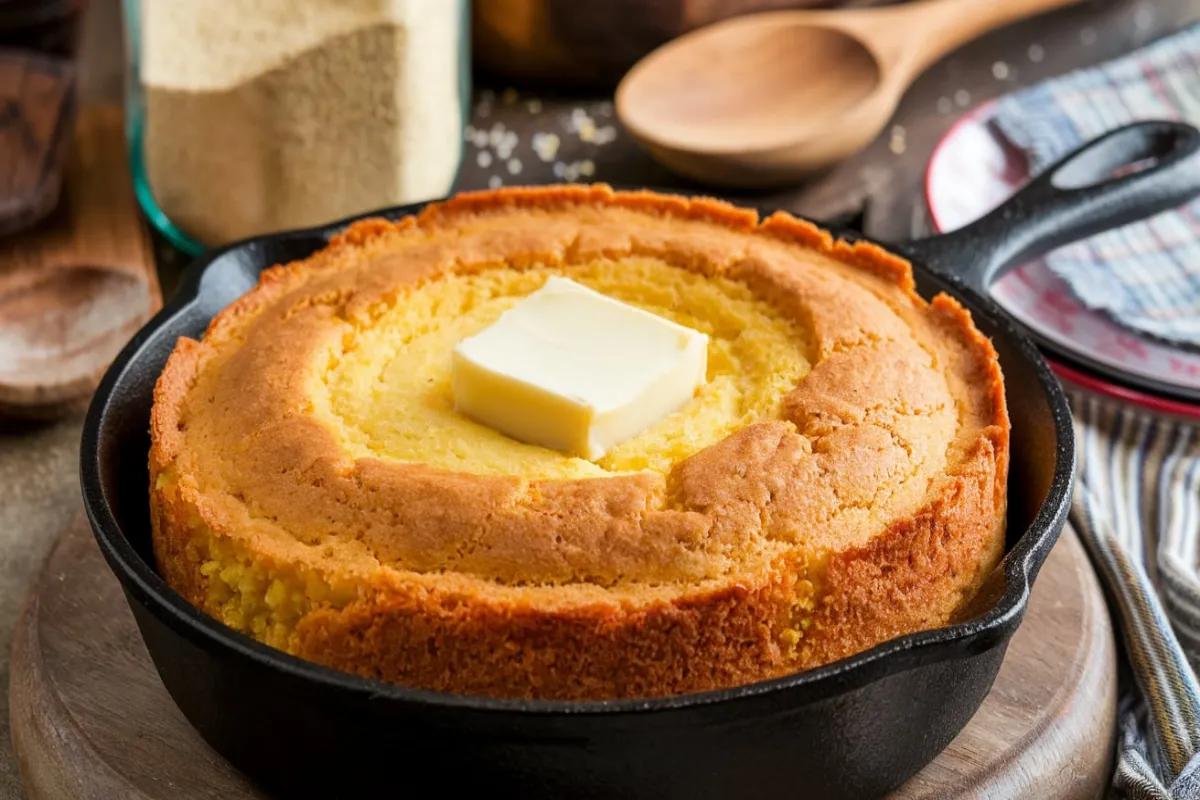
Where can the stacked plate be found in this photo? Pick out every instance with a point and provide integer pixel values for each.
(971, 171)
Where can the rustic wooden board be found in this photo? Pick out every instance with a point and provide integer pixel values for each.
(76, 286)
(92, 721)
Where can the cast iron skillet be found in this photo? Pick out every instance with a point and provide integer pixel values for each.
(852, 729)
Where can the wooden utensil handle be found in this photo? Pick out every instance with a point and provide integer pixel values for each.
(911, 37)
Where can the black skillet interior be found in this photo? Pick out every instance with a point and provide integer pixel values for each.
(851, 729)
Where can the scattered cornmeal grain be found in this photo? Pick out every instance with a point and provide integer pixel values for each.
(545, 145)
(273, 114)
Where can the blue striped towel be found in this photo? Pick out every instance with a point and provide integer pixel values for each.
(1137, 509)
(1145, 276)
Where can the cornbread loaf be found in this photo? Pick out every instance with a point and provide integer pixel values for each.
(837, 482)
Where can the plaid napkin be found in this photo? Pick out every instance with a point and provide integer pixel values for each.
(1145, 276)
(1137, 509)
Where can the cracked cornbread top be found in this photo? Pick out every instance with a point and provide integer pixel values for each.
(314, 428)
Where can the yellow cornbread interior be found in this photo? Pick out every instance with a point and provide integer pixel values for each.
(387, 391)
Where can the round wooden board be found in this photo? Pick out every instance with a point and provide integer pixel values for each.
(91, 720)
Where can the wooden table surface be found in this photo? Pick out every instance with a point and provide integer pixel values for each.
(579, 138)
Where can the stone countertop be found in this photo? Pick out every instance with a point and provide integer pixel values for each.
(518, 136)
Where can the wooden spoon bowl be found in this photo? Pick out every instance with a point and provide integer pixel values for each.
(61, 328)
(750, 86)
(77, 286)
(769, 99)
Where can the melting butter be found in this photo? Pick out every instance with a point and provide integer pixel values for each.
(573, 370)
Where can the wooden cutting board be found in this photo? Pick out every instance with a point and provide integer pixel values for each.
(92, 721)
(75, 287)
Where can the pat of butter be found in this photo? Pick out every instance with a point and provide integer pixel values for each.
(573, 370)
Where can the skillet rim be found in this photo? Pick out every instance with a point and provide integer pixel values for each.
(961, 640)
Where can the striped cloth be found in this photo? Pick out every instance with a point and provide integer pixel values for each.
(1145, 276)
(1137, 508)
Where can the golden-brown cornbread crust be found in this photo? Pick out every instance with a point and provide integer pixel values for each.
(732, 569)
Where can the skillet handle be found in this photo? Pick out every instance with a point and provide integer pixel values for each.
(1088, 191)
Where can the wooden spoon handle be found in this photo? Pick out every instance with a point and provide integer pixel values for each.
(909, 38)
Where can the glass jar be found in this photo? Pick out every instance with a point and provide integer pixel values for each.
(267, 115)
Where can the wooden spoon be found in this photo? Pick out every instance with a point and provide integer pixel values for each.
(77, 286)
(768, 99)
